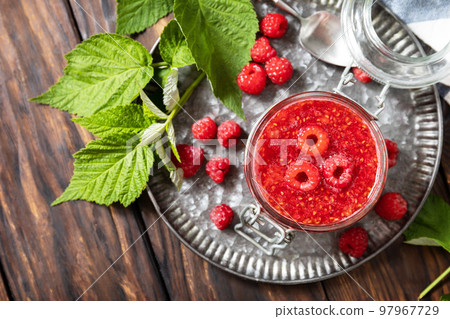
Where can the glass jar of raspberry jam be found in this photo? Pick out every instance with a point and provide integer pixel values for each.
(316, 161)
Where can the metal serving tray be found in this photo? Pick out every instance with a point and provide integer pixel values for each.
(412, 118)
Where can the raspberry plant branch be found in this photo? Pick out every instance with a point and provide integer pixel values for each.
(434, 283)
(187, 94)
(106, 73)
(154, 131)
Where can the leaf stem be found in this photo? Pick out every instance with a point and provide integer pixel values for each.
(187, 94)
(434, 283)
(158, 64)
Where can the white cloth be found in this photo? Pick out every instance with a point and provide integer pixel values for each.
(430, 22)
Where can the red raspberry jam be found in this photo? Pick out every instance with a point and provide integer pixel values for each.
(317, 162)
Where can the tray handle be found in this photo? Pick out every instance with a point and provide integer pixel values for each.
(249, 217)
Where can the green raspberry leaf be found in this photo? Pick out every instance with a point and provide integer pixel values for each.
(136, 15)
(170, 129)
(432, 225)
(104, 70)
(152, 133)
(171, 95)
(107, 171)
(175, 174)
(445, 297)
(220, 34)
(122, 119)
(152, 108)
(173, 46)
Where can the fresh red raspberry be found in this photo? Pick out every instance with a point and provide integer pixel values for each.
(217, 168)
(204, 130)
(252, 79)
(273, 25)
(354, 241)
(222, 216)
(228, 133)
(361, 76)
(262, 51)
(391, 206)
(302, 175)
(392, 150)
(191, 159)
(312, 139)
(279, 70)
(337, 171)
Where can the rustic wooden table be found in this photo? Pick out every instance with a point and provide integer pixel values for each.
(59, 253)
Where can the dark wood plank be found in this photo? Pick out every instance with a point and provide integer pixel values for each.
(441, 187)
(3, 291)
(94, 17)
(99, 16)
(445, 160)
(54, 253)
(399, 273)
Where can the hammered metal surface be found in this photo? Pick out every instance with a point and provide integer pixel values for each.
(412, 118)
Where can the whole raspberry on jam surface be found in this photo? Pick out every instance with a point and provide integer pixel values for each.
(354, 241)
(222, 216)
(273, 25)
(228, 133)
(262, 51)
(337, 171)
(312, 139)
(391, 206)
(361, 76)
(217, 168)
(191, 159)
(392, 150)
(279, 70)
(252, 79)
(302, 175)
(204, 130)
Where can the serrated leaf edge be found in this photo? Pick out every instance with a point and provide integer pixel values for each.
(170, 129)
(151, 106)
(171, 96)
(152, 133)
(175, 174)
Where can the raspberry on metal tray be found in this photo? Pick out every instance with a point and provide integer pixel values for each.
(217, 168)
(354, 241)
(228, 133)
(279, 70)
(273, 25)
(222, 216)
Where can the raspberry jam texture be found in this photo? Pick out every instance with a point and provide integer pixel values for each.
(344, 157)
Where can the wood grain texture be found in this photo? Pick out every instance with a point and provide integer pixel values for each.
(3, 290)
(441, 187)
(54, 253)
(445, 161)
(401, 272)
(99, 16)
